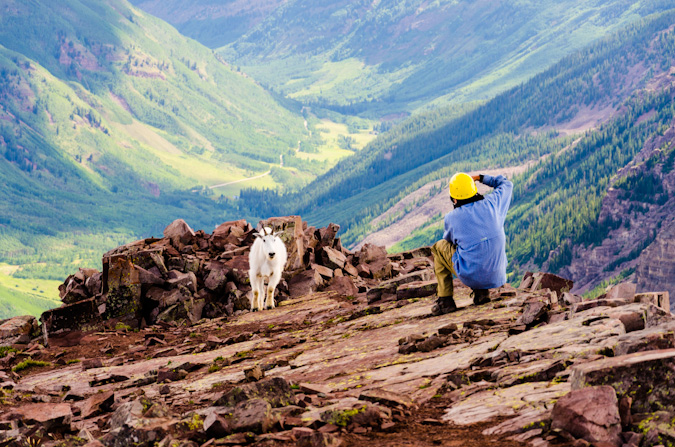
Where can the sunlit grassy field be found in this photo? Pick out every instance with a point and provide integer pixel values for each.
(330, 151)
(25, 296)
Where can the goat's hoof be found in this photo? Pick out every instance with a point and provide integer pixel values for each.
(254, 310)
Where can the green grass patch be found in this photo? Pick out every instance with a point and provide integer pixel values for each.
(29, 363)
(4, 350)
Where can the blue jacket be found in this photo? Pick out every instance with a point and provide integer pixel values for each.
(477, 229)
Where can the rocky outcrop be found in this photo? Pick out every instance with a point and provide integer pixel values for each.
(535, 365)
(656, 268)
(639, 228)
(187, 275)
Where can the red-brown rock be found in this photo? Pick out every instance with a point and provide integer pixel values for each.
(534, 311)
(590, 413)
(254, 415)
(550, 281)
(416, 289)
(624, 291)
(77, 316)
(332, 258)
(305, 283)
(97, 404)
(179, 232)
(647, 377)
(53, 417)
(343, 285)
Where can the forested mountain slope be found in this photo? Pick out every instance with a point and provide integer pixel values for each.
(384, 56)
(212, 22)
(557, 203)
(112, 124)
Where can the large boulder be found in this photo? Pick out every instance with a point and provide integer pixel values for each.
(292, 233)
(343, 285)
(231, 234)
(217, 276)
(254, 415)
(591, 414)
(646, 377)
(305, 283)
(558, 284)
(121, 289)
(332, 258)
(83, 315)
(417, 289)
(659, 299)
(24, 326)
(659, 337)
(374, 262)
(179, 232)
(624, 291)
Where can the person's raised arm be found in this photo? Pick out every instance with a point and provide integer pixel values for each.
(503, 188)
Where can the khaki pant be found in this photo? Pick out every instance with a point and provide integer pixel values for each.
(443, 251)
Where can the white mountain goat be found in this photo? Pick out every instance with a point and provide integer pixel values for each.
(267, 261)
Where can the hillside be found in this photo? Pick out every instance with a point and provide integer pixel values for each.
(112, 123)
(377, 58)
(624, 81)
(212, 22)
(173, 356)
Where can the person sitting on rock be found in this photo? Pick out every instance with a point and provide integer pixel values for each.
(473, 247)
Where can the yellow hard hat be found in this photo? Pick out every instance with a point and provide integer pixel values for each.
(462, 186)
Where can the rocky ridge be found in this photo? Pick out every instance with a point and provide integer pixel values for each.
(641, 239)
(145, 355)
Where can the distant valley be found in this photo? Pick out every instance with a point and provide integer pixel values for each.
(384, 57)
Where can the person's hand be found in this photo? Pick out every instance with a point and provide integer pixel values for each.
(476, 178)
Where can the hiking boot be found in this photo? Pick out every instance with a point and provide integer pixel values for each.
(444, 305)
(480, 296)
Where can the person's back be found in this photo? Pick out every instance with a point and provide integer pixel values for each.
(477, 230)
(474, 244)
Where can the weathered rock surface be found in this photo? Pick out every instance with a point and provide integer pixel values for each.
(646, 377)
(590, 413)
(164, 352)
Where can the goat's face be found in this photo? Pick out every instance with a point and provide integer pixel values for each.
(269, 245)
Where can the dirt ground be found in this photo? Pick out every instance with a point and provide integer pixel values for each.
(423, 428)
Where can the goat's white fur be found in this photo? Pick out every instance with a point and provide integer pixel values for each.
(267, 260)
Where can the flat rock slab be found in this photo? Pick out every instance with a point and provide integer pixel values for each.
(51, 416)
(585, 305)
(660, 337)
(416, 289)
(506, 402)
(576, 332)
(646, 377)
(387, 398)
(537, 371)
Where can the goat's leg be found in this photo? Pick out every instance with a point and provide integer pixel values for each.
(256, 289)
(271, 287)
